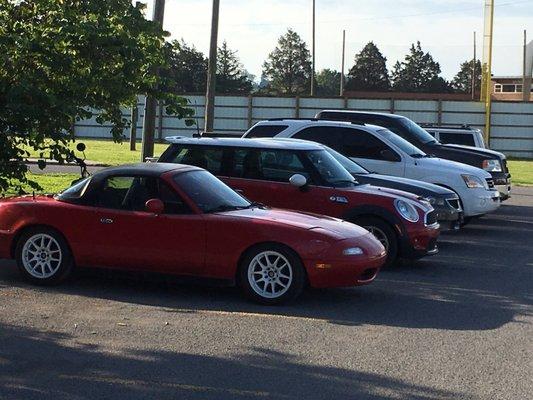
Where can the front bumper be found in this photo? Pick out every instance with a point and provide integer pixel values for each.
(6, 240)
(502, 183)
(336, 270)
(449, 214)
(420, 243)
(480, 201)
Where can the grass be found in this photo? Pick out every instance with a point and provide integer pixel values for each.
(51, 183)
(521, 171)
(111, 153)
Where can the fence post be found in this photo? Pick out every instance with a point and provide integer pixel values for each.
(392, 108)
(250, 110)
(133, 127)
(439, 112)
(345, 102)
(297, 107)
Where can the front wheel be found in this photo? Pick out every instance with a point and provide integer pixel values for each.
(43, 257)
(383, 232)
(271, 274)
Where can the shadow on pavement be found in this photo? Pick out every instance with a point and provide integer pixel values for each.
(49, 366)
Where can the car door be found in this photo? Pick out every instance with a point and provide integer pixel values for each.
(263, 175)
(128, 237)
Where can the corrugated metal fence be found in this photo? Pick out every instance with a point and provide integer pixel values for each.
(512, 122)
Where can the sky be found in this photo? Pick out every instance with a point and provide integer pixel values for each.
(444, 28)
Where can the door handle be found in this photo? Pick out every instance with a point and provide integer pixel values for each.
(106, 221)
(240, 191)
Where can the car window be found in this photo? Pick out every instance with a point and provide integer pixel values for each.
(351, 166)
(323, 135)
(329, 169)
(130, 193)
(401, 143)
(360, 144)
(457, 138)
(209, 158)
(267, 164)
(265, 131)
(76, 191)
(208, 192)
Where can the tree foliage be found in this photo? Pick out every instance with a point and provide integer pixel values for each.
(419, 72)
(231, 75)
(63, 59)
(328, 82)
(462, 82)
(369, 72)
(187, 71)
(288, 67)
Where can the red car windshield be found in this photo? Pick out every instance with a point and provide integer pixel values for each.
(209, 193)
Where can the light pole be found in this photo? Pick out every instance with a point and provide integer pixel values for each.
(150, 104)
(212, 71)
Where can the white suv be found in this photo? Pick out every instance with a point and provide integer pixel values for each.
(378, 149)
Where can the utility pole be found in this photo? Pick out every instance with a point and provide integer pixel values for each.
(150, 105)
(314, 48)
(474, 70)
(525, 89)
(342, 65)
(212, 71)
(486, 89)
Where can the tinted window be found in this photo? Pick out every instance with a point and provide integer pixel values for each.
(208, 192)
(415, 131)
(351, 166)
(403, 144)
(209, 158)
(359, 144)
(331, 171)
(457, 138)
(130, 193)
(317, 134)
(267, 164)
(265, 131)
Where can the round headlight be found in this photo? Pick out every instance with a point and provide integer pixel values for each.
(406, 210)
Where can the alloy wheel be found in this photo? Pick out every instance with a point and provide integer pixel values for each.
(270, 274)
(41, 256)
(379, 235)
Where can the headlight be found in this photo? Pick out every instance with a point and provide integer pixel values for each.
(473, 181)
(353, 251)
(492, 165)
(406, 210)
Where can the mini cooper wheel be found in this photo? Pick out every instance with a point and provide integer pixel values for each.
(271, 274)
(385, 234)
(43, 257)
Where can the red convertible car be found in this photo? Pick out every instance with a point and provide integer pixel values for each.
(182, 220)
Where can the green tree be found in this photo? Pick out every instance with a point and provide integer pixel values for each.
(187, 72)
(462, 82)
(231, 75)
(288, 67)
(419, 72)
(328, 82)
(62, 59)
(369, 72)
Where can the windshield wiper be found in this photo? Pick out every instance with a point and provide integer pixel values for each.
(354, 182)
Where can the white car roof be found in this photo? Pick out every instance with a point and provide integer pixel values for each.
(260, 143)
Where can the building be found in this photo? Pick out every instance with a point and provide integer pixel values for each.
(508, 88)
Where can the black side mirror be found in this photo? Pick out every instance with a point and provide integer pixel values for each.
(81, 147)
(388, 155)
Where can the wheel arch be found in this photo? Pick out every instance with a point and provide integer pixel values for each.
(375, 212)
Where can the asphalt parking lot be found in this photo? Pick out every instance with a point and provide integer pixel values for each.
(458, 325)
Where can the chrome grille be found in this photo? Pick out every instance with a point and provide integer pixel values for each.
(490, 182)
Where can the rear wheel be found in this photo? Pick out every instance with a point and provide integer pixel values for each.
(43, 256)
(385, 234)
(271, 274)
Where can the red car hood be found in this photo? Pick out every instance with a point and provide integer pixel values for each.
(338, 228)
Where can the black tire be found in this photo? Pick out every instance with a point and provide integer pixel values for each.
(382, 227)
(249, 265)
(52, 272)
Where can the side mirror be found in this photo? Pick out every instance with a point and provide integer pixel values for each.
(155, 206)
(388, 155)
(81, 147)
(298, 180)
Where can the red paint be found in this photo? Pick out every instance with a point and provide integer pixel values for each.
(198, 244)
